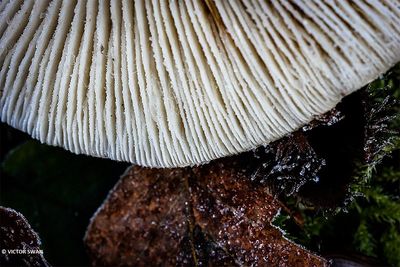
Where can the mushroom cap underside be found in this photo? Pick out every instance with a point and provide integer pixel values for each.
(177, 83)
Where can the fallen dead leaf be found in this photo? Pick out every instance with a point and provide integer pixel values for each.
(19, 243)
(212, 215)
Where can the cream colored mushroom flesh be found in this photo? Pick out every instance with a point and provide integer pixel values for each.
(177, 83)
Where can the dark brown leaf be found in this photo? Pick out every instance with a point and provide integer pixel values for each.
(327, 119)
(287, 164)
(19, 244)
(212, 215)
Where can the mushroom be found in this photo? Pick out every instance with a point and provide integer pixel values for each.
(177, 83)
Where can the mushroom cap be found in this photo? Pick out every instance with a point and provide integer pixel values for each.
(177, 83)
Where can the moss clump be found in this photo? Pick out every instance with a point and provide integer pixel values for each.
(368, 220)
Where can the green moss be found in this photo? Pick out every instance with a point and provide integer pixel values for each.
(364, 241)
(368, 222)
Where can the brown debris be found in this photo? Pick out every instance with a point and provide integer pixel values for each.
(287, 164)
(212, 215)
(19, 243)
